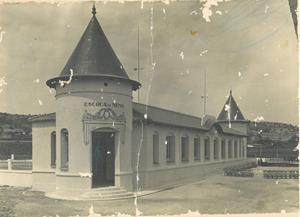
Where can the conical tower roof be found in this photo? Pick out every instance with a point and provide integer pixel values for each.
(231, 111)
(93, 57)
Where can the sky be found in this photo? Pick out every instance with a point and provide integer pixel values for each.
(248, 46)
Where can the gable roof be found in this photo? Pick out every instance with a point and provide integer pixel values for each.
(231, 111)
(93, 57)
(163, 116)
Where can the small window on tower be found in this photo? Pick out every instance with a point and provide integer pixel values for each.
(105, 84)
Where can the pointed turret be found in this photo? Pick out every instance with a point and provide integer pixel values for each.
(232, 117)
(231, 111)
(93, 57)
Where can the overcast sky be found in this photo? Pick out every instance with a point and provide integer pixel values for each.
(249, 46)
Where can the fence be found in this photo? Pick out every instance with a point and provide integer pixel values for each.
(277, 162)
(280, 174)
(12, 164)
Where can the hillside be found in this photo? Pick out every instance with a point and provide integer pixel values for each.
(271, 139)
(13, 126)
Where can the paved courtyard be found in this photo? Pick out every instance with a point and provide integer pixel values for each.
(218, 194)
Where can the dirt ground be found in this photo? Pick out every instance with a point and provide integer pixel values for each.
(218, 194)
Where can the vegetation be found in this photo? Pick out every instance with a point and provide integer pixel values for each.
(271, 140)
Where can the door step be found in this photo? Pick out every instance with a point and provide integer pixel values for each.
(107, 193)
(104, 193)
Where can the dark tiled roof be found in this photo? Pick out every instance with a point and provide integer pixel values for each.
(43, 117)
(231, 111)
(230, 131)
(93, 57)
(163, 116)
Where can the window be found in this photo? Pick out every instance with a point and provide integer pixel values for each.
(243, 149)
(216, 149)
(170, 149)
(240, 148)
(53, 149)
(64, 149)
(206, 149)
(155, 148)
(184, 148)
(223, 149)
(197, 148)
(235, 148)
(230, 148)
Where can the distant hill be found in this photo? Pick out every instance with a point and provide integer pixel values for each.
(15, 136)
(271, 139)
(14, 126)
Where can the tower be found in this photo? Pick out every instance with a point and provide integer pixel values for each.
(93, 115)
(231, 116)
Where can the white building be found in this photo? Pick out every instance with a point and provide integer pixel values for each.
(93, 138)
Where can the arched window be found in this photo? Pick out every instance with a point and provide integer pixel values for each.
(207, 148)
(170, 148)
(184, 148)
(242, 148)
(223, 149)
(235, 148)
(216, 148)
(64, 142)
(230, 149)
(53, 149)
(197, 148)
(155, 148)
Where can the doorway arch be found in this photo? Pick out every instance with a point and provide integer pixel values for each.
(103, 156)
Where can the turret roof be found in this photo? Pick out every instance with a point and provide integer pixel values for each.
(93, 57)
(231, 111)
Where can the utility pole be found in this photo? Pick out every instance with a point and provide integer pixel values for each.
(138, 60)
(138, 66)
(204, 97)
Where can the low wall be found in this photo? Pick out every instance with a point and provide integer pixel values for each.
(150, 179)
(17, 178)
(154, 179)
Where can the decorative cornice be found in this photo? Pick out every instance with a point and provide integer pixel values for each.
(104, 114)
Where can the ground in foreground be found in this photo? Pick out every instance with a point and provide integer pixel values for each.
(217, 194)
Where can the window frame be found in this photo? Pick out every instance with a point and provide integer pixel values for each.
(216, 148)
(53, 149)
(64, 142)
(223, 149)
(207, 149)
(197, 151)
(184, 145)
(170, 148)
(155, 148)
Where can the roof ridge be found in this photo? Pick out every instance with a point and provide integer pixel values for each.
(180, 113)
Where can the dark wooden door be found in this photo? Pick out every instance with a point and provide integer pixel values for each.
(103, 158)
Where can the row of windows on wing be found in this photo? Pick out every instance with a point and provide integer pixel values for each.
(235, 149)
(64, 141)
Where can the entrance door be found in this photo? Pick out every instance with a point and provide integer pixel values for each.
(103, 159)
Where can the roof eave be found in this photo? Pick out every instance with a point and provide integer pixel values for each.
(233, 121)
(53, 82)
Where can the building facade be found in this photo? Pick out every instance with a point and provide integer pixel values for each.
(99, 137)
